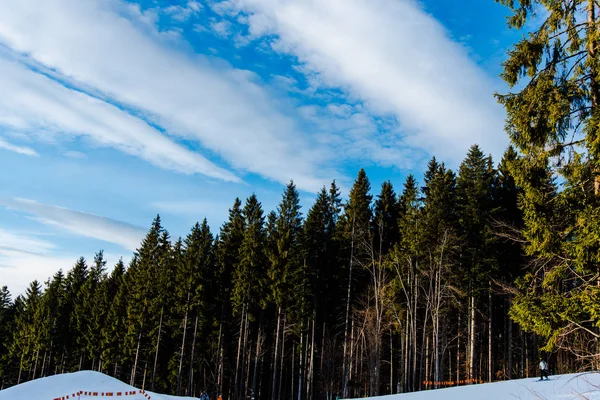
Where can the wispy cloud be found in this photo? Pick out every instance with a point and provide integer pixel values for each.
(391, 55)
(227, 110)
(11, 241)
(182, 13)
(17, 149)
(44, 108)
(221, 28)
(81, 223)
(19, 268)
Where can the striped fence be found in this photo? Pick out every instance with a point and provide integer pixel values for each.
(77, 395)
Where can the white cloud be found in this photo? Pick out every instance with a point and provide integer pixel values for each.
(127, 236)
(33, 103)
(75, 154)
(10, 241)
(395, 57)
(183, 13)
(32, 259)
(221, 28)
(227, 110)
(19, 268)
(17, 149)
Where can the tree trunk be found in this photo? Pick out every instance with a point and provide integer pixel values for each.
(472, 340)
(156, 352)
(242, 392)
(282, 356)
(345, 368)
(276, 355)
(257, 360)
(179, 372)
(458, 352)
(391, 362)
(137, 353)
(43, 364)
(490, 312)
(191, 377)
(309, 386)
(300, 366)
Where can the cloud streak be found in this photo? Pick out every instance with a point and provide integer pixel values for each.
(80, 223)
(27, 151)
(35, 104)
(111, 48)
(391, 55)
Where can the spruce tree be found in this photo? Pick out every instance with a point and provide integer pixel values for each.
(114, 327)
(553, 123)
(76, 279)
(356, 231)
(385, 221)
(6, 326)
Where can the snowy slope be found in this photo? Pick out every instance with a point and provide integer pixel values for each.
(90, 384)
(563, 387)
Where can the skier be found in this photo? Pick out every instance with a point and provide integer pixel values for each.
(543, 370)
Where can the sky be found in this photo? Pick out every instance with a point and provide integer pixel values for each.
(114, 111)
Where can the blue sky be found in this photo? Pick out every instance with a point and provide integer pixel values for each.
(112, 111)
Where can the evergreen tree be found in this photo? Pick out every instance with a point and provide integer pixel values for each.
(114, 327)
(6, 329)
(474, 201)
(553, 122)
(356, 228)
(74, 347)
(142, 289)
(228, 256)
(386, 219)
(94, 309)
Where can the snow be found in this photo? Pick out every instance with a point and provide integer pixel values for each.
(564, 387)
(57, 386)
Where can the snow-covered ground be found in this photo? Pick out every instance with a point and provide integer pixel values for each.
(562, 387)
(88, 383)
(84, 384)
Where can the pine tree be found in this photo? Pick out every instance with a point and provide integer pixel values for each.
(474, 202)
(26, 340)
(386, 219)
(249, 287)
(553, 122)
(93, 309)
(142, 289)
(74, 348)
(356, 228)
(6, 329)
(228, 256)
(285, 274)
(114, 327)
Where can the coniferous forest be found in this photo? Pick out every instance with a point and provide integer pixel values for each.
(450, 278)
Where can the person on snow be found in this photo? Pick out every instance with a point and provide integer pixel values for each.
(543, 370)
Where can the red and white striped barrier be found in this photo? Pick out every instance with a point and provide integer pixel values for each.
(77, 395)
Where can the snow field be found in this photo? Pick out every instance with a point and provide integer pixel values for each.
(79, 386)
(585, 386)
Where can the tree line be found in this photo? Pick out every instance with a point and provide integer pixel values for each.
(462, 277)
(372, 295)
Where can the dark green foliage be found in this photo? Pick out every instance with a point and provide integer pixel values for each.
(553, 123)
(270, 306)
(250, 275)
(385, 221)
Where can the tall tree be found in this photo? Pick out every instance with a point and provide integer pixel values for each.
(553, 122)
(474, 201)
(356, 228)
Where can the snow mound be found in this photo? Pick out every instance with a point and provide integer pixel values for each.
(584, 386)
(83, 384)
